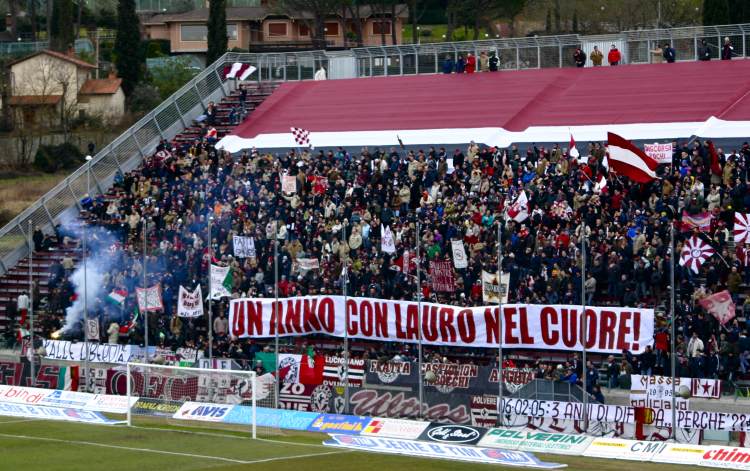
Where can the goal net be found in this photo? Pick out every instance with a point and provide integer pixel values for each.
(209, 398)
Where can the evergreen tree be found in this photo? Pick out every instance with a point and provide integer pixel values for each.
(575, 21)
(548, 22)
(715, 12)
(217, 30)
(127, 45)
(61, 32)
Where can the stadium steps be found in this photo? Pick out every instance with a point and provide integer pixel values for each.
(15, 281)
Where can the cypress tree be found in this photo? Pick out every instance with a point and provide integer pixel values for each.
(217, 30)
(716, 12)
(61, 35)
(127, 45)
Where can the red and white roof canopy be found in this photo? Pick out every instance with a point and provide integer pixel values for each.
(658, 101)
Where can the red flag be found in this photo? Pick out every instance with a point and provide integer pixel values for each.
(628, 160)
(715, 166)
(311, 369)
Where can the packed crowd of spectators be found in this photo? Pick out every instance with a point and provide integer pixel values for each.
(342, 198)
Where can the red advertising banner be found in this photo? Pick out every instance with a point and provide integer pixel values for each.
(532, 326)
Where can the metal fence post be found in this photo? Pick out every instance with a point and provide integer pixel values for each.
(518, 57)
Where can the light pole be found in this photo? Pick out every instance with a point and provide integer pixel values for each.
(145, 293)
(31, 303)
(85, 282)
(210, 295)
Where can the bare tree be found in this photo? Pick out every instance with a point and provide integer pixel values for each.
(319, 9)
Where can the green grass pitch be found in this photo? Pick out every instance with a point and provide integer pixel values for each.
(27, 444)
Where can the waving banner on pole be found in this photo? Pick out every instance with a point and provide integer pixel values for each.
(387, 242)
(459, 254)
(533, 326)
(244, 247)
(149, 299)
(190, 304)
(492, 287)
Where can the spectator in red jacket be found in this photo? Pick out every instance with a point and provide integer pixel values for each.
(471, 63)
(614, 57)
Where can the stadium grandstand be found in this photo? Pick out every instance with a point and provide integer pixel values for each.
(375, 194)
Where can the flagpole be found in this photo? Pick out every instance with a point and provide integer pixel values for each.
(276, 307)
(500, 320)
(584, 325)
(31, 303)
(85, 282)
(419, 317)
(210, 295)
(344, 276)
(145, 293)
(672, 358)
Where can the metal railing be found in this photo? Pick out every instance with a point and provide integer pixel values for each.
(126, 152)
(514, 53)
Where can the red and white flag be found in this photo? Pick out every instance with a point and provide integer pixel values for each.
(628, 160)
(601, 184)
(695, 252)
(240, 71)
(519, 209)
(572, 151)
(301, 136)
(743, 255)
(719, 305)
(741, 228)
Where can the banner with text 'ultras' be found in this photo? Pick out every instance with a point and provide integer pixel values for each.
(533, 326)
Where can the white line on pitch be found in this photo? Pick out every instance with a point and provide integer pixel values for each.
(2, 422)
(165, 452)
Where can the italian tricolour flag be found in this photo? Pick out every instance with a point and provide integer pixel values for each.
(67, 379)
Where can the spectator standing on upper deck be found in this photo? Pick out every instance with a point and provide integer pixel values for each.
(614, 57)
(471, 63)
(727, 50)
(494, 61)
(704, 53)
(484, 61)
(669, 53)
(579, 57)
(448, 64)
(657, 55)
(460, 65)
(596, 56)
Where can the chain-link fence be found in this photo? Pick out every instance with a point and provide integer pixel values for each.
(126, 152)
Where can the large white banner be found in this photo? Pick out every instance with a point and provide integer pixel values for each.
(190, 303)
(97, 352)
(546, 327)
(244, 247)
(690, 419)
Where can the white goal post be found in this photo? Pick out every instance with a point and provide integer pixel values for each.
(194, 395)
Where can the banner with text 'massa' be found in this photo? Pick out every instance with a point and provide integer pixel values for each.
(532, 326)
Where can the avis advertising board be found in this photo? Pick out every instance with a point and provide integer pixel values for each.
(202, 411)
